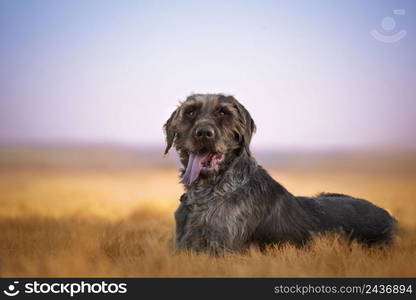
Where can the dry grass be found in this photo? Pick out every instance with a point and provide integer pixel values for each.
(80, 222)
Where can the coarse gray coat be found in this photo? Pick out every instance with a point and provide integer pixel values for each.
(240, 204)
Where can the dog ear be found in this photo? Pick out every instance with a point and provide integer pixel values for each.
(247, 124)
(170, 130)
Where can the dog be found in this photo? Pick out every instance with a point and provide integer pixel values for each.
(231, 202)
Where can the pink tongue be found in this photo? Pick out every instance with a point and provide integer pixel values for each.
(193, 168)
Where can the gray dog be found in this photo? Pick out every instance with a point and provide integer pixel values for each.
(231, 202)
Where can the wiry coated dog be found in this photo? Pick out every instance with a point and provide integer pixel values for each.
(232, 202)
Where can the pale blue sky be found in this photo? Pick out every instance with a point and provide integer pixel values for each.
(112, 71)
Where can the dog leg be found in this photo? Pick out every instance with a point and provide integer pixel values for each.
(181, 216)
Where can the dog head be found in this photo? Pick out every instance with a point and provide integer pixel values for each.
(208, 130)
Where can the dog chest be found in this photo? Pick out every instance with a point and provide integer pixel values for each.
(204, 212)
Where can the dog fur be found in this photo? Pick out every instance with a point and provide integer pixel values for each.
(240, 204)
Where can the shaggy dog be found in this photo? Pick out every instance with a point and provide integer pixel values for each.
(231, 202)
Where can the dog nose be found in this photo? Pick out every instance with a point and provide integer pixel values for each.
(206, 132)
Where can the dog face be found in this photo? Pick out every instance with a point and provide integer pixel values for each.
(206, 130)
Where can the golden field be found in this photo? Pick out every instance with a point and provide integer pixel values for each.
(109, 213)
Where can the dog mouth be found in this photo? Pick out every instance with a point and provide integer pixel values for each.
(201, 163)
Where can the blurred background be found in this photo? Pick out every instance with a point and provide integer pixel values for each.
(89, 84)
(85, 87)
(110, 72)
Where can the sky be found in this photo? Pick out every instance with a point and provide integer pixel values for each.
(310, 72)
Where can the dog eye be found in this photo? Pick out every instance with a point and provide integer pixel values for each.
(190, 113)
(223, 112)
